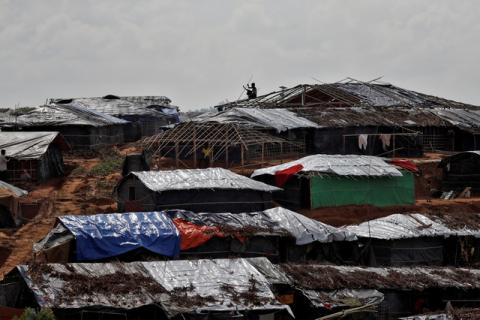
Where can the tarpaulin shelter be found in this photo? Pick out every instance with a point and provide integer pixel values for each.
(336, 180)
(346, 109)
(418, 239)
(10, 209)
(145, 115)
(460, 171)
(209, 190)
(277, 233)
(405, 290)
(182, 289)
(34, 156)
(103, 236)
(81, 128)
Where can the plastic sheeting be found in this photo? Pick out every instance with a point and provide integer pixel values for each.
(116, 107)
(415, 225)
(26, 145)
(343, 298)
(8, 189)
(275, 221)
(306, 230)
(380, 191)
(342, 165)
(107, 235)
(210, 178)
(204, 278)
(278, 119)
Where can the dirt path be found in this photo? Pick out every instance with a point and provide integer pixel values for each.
(75, 194)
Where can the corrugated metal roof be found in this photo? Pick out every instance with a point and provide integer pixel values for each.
(204, 285)
(342, 165)
(278, 119)
(187, 179)
(25, 145)
(415, 225)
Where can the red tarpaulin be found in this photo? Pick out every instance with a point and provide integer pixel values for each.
(405, 164)
(282, 176)
(192, 235)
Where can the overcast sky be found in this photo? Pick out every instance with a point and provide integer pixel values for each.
(199, 53)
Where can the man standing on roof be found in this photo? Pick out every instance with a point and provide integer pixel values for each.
(251, 91)
(3, 166)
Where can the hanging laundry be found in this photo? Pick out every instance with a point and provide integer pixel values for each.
(363, 141)
(385, 138)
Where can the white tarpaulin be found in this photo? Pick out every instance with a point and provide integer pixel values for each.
(342, 165)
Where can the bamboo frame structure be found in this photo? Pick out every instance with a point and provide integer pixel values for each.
(215, 142)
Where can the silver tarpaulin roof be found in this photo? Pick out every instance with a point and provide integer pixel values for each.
(278, 119)
(26, 145)
(188, 179)
(190, 286)
(341, 165)
(414, 225)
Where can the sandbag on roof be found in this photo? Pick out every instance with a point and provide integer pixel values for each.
(341, 165)
(188, 179)
(106, 235)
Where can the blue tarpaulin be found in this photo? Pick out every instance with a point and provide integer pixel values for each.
(106, 235)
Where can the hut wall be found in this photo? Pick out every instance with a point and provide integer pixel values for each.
(221, 200)
(133, 196)
(404, 252)
(382, 191)
(294, 194)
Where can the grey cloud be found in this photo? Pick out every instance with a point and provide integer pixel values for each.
(201, 52)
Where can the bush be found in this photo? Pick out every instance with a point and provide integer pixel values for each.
(107, 166)
(32, 314)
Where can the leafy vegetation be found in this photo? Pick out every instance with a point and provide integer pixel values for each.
(110, 163)
(32, 314)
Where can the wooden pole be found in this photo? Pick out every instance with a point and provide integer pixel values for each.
(176, 155)
(226, 156)
(194, 147)
(241, 155)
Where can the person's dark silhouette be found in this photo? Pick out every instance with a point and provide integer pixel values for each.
(251, 91)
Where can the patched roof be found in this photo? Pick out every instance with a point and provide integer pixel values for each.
(342, 165)
(177, 286)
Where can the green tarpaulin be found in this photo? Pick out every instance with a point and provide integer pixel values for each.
(329, 191)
